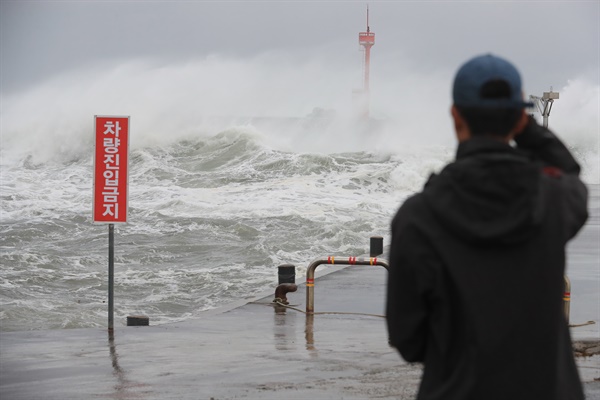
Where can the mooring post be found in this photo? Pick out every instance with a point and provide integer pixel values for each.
(376, 246)
(111, 274)
(286, 273)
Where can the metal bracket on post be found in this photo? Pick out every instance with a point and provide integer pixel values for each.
(544, 104)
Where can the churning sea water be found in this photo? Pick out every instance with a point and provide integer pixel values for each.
(211, 216)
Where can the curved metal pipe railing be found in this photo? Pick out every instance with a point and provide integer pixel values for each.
(310, 272)
(310, 278)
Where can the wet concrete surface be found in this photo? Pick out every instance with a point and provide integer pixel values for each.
(253, 350)
(256, 351)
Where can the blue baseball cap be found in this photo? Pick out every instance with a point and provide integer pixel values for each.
(472, 77)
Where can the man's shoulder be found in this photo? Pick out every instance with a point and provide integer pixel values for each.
(417, 201)
(413, 202)
(411, 210)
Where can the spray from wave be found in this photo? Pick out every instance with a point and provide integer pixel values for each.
(576, 118)
(236, 166)
(273, 94)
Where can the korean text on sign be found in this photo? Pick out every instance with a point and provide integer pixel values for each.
(111, 169)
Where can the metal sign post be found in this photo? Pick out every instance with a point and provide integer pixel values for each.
(111, 189)
(111, 276)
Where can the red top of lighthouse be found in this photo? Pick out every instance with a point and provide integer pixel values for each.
(366, 38)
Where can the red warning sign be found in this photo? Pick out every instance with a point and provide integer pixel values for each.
(111, 169)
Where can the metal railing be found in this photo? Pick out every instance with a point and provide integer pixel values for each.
(376, 248)
(310, 272)
(310, 278)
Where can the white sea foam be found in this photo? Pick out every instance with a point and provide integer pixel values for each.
(217, 199)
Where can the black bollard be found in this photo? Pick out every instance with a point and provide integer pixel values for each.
(286, 273)
(376, 246)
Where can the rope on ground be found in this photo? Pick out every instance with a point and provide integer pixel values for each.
(279, 303)
(584, 324)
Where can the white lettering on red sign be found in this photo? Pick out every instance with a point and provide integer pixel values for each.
(111, 178)
(111, 174)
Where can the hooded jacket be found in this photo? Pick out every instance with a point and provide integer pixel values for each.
(477, 265)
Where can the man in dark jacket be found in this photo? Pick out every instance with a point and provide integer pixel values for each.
(477, 259)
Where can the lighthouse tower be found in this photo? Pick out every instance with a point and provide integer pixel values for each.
(366, 40)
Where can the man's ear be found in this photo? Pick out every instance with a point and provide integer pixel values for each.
(460, 125)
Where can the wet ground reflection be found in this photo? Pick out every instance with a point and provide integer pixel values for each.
(285, 329)
(124, 389)
(309, 332)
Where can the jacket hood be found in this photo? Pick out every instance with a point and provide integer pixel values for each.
(488, 195)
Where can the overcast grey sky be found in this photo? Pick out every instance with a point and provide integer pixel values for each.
(550, 41)
(176, 66)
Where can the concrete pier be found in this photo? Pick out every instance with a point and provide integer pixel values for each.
(255, 350)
